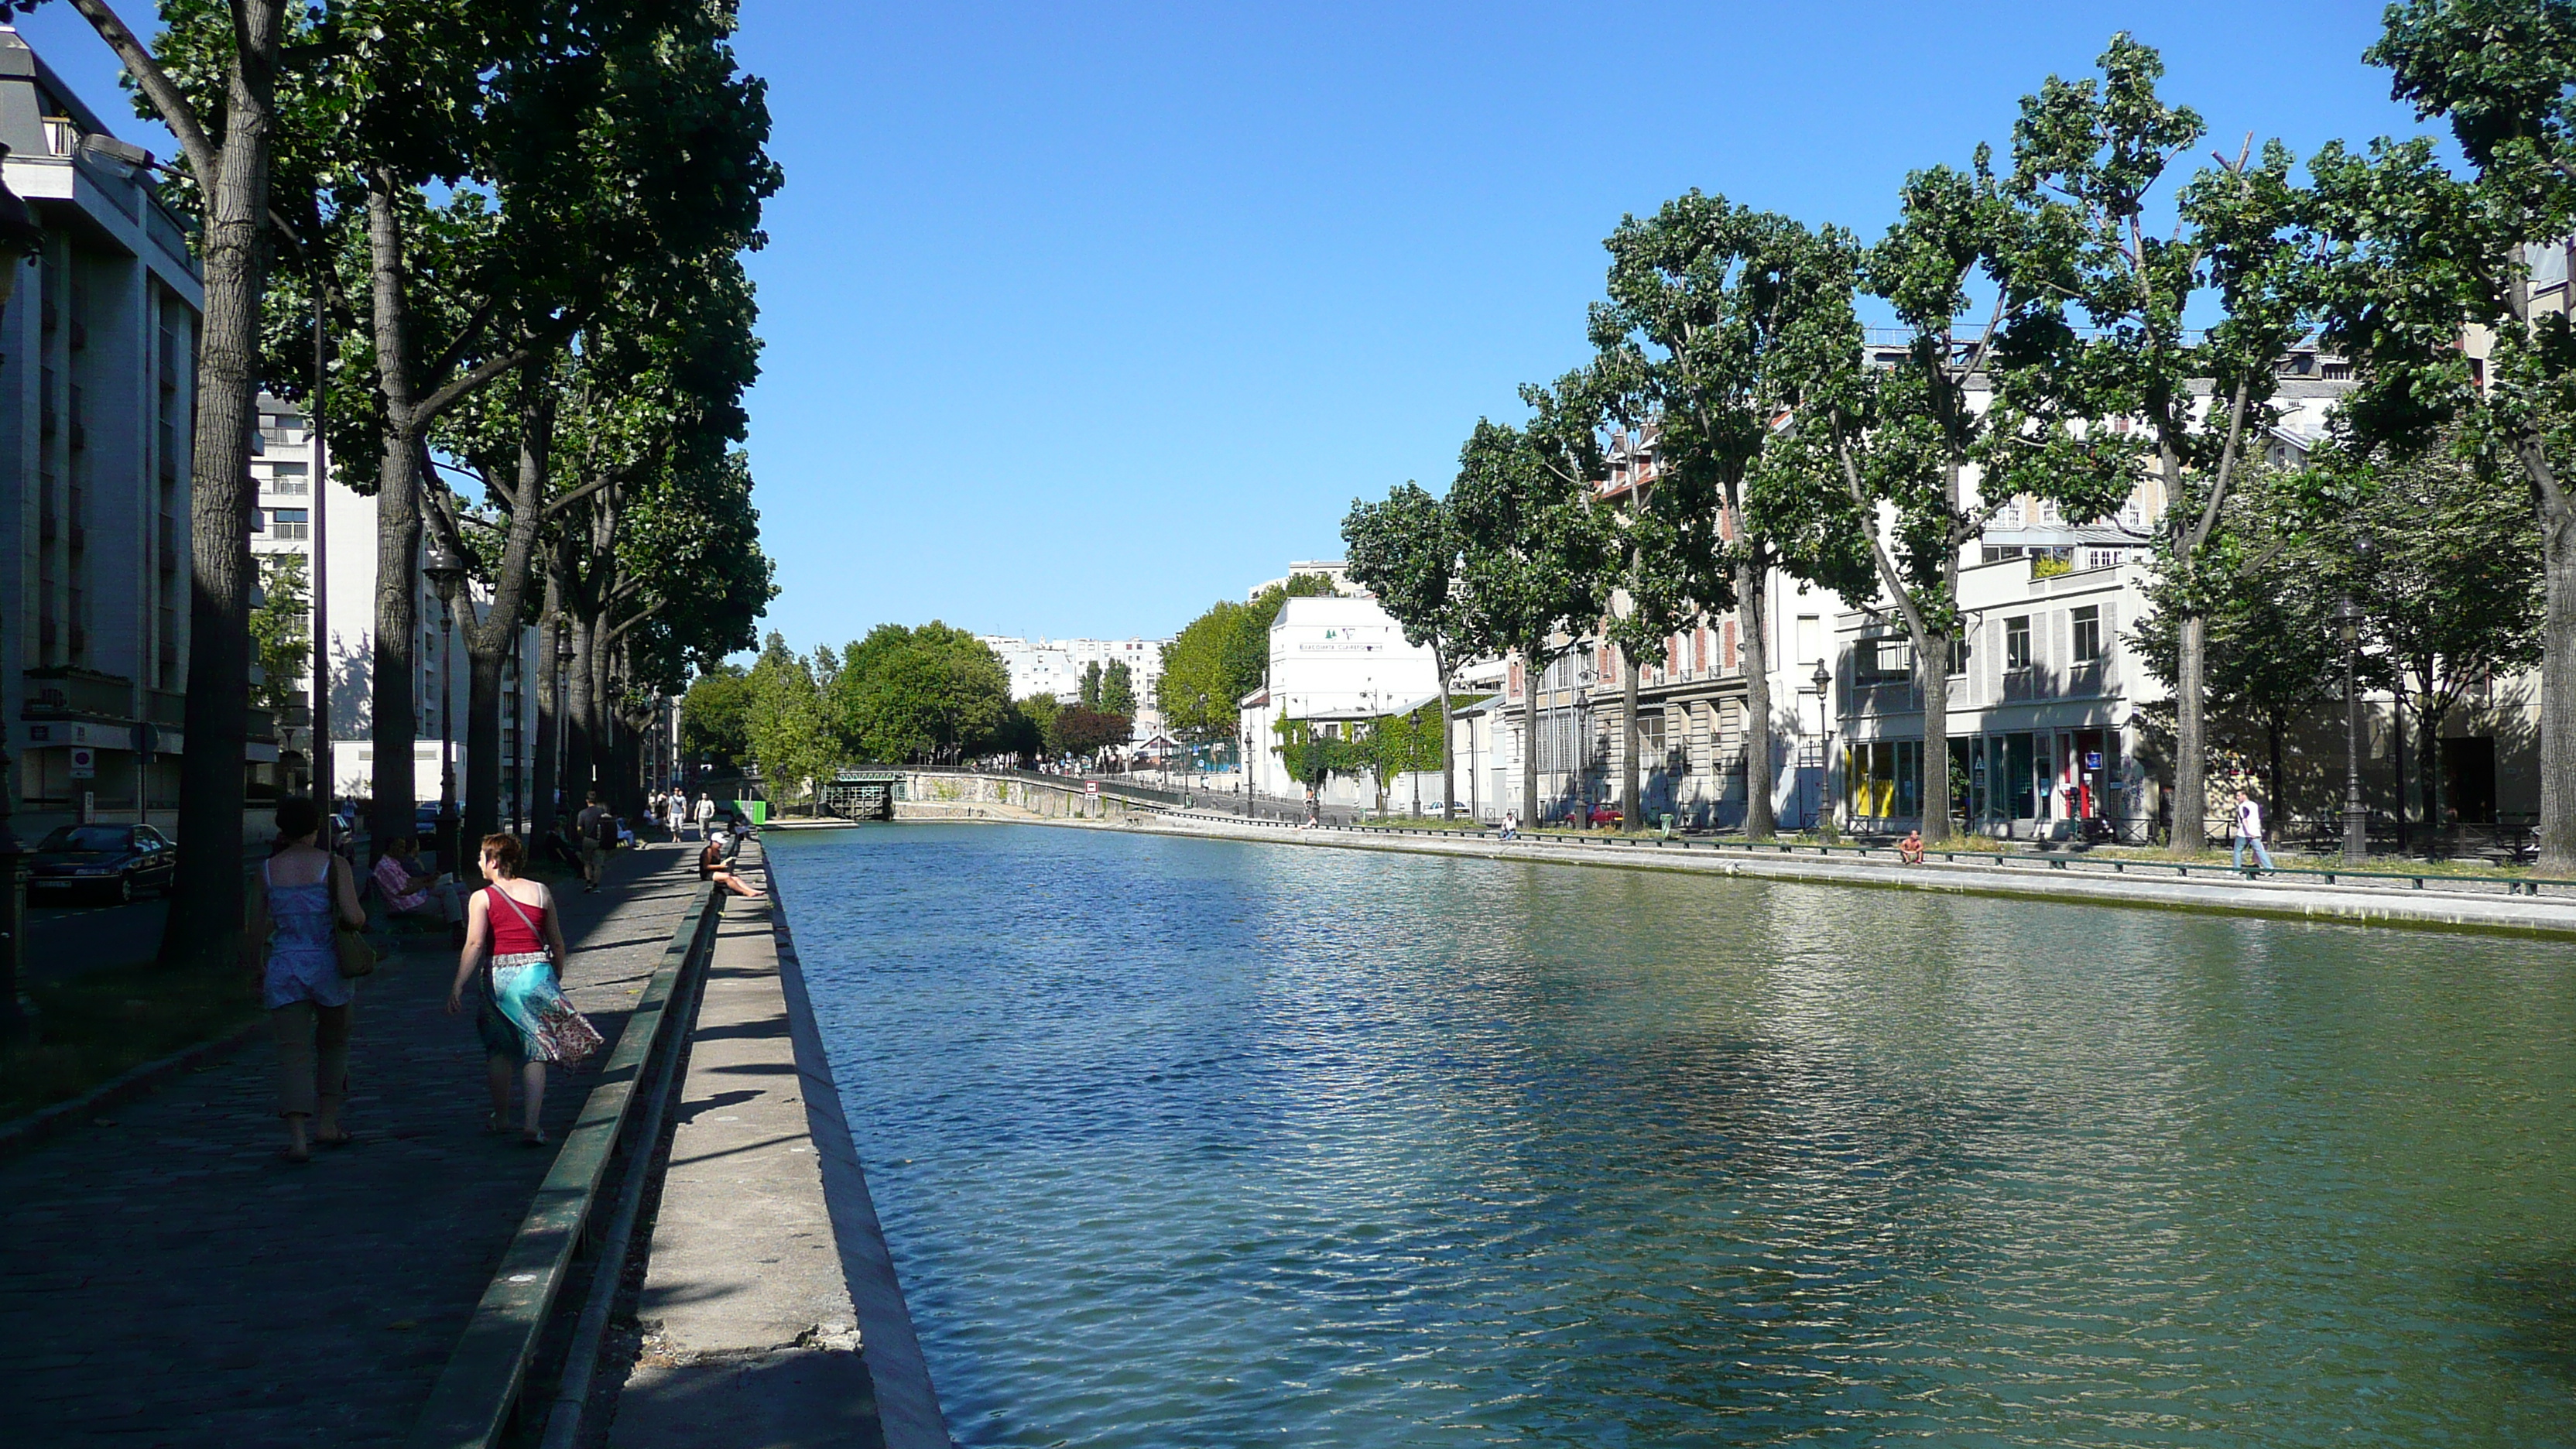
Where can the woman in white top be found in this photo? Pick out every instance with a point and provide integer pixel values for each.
(301, 891)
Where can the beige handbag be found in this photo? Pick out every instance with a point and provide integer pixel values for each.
(349, 944)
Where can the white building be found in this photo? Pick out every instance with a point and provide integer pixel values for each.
(1334, 569)
(1055, 666)
(293, 512)
(1336, 662)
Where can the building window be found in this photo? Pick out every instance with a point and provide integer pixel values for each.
(2017, 642)
(290, 523)
(1885, 658)
(1958, 655)
(2088, 634)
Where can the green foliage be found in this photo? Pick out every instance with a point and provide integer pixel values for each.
(1118, 688)
(715, 717)
(1038, 730)
(1406, 550)
(1535, 558)
(281, 633)
(2268, 603)
(1089, 689)
(1378, 750)
(933, 693)
(1716, 312)
(785, 723)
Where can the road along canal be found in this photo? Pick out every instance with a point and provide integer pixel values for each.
(1204, 1141)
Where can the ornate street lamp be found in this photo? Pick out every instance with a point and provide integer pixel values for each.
(1247, 771)
(445, 568)
(1823, 679)
(19, 239)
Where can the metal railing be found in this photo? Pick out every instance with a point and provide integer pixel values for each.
(478, 1392)
(2019, 862)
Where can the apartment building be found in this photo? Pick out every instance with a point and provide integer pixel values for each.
(306, 512)
(1056, 667)
(97, 383)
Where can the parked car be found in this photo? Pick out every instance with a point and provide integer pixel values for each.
(112, 860)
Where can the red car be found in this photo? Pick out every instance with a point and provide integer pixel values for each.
(1602, 816)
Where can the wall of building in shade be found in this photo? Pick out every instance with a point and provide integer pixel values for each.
(97, 381)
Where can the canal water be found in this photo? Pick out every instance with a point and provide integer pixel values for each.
(1184, 1142)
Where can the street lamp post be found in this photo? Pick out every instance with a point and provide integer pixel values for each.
(1247, 771)
(1824, 679)
(19, 239)
(446, 570)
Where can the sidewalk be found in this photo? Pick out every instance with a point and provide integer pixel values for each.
(770, 1303)
(166, 1279)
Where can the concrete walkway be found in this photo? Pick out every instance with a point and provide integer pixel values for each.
(166, 1279)
(770, 1308)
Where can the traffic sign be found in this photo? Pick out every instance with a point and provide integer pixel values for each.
(84, 763)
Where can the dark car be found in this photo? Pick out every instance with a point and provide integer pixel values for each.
(114, 860)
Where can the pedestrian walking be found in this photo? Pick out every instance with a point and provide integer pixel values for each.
(514, 942)
(2249, 830)
(301, 893)
(598, 827)
(706, 813)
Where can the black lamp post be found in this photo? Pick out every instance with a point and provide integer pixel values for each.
(19, 239)
(445, 568)
(1247, 771)
(1823, 679)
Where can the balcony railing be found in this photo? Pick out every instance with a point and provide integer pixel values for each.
(61, 692)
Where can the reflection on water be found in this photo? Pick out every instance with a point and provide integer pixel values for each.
(1202, 1143)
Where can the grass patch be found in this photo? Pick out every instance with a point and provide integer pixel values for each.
(108, 1020)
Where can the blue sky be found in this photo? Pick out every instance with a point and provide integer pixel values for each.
(1079, 318)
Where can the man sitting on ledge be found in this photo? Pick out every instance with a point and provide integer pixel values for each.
(1910, 849)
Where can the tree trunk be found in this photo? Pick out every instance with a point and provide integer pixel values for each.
(580, 732)
(1932, 676)
(2280, 810)
(398, 505)
(541, 790)
(205, 913)
(1759, 821)
(1632, 818)
(1448, 756)
(1529, 737)
(488, 640)
(2558, 695)
(2429, 732)
(482, 742)
(2190, 777)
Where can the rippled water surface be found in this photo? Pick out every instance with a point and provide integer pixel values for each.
(1187, 1142)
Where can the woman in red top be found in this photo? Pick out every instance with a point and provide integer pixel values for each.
(512, 921)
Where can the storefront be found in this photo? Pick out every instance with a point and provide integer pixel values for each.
(2021, 781)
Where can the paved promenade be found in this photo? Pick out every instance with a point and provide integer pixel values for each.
(167, 1279)
(772, 1316)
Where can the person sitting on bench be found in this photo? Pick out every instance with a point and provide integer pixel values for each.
(411, 889)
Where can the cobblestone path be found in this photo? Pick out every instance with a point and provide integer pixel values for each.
(166, 1278)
